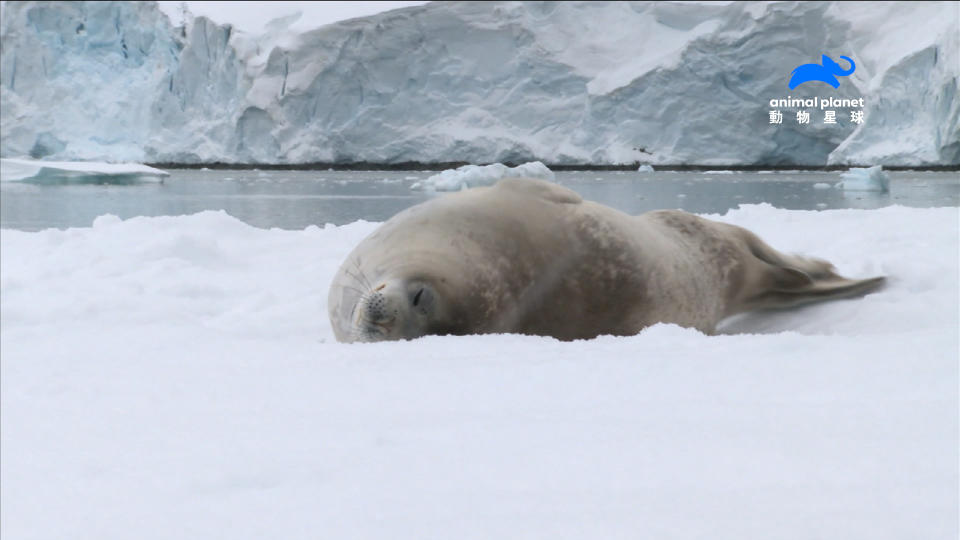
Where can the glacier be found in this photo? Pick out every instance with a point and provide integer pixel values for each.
(567, 83)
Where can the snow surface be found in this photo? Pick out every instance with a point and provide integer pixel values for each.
(479, 82)
(177, 377)
(865, 179)
(26, 169)
(469, 176)
(254, 17)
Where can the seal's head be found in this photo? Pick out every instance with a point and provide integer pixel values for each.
(404, 301)
(396, 308)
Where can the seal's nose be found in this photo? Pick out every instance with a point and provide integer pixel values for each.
(374, 317)
(374, 309)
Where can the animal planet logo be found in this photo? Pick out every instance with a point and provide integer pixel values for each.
(826, 71)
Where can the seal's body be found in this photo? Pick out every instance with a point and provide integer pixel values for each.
(531, 257)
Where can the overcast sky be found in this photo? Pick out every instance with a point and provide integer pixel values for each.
(253, 16)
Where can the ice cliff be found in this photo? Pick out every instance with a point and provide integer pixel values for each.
(565, 83)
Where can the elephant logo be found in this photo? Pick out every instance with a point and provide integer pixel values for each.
(827, 72)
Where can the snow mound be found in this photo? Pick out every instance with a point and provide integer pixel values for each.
(865, 179)
(171, 374)
(469, 176)
(13, 169)
(645, 168)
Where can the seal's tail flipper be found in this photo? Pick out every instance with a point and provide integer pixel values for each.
(794, 281)
(792, 287)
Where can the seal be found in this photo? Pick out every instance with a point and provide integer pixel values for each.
(531, 257)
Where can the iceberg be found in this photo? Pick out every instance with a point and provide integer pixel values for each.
(645, 168)
(865, 179)
(469, 176)
(563, 83)
(13, 170)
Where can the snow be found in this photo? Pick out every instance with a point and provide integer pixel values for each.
(255, 18)
(177, 377)
(469, 176)
(564, 83)
(25, 169)
(596, 43)
(865, 179)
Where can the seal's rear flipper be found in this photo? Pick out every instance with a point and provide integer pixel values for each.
(793, 281)
(792, 287)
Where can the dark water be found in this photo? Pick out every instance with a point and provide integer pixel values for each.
(295, 199)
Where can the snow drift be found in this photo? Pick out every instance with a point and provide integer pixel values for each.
(565, 82)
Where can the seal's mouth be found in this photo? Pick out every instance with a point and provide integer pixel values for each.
(367, 332)
(379, 328)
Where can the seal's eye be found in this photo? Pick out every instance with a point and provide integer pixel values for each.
(416, 298)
